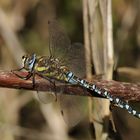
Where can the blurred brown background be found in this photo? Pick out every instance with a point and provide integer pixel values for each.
(23, 29)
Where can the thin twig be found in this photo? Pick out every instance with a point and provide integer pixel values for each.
(126, 91)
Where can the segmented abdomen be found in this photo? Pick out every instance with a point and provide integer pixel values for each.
(71, 78)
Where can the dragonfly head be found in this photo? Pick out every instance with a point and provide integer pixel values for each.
(28, 61)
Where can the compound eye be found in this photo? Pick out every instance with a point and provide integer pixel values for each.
(31, 61)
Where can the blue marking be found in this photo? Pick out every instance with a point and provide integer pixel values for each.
(126, 106)
(82, 81)
(70, 78)
(93, 87)
(134, 112)
(99, 92)
(32, 61)
(105, 93)
(117, 100)
(70, 74)
(75, 80)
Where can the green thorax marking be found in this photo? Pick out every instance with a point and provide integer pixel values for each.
(51, 67)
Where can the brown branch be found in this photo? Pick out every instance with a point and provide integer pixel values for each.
(126, 91)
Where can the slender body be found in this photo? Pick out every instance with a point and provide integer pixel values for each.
(51, 68)
(115, 100)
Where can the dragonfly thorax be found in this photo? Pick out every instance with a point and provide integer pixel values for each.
(50, 67)
(28, 61)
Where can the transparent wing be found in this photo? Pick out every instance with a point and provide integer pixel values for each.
(73, 109)
(76, 59)
(46, 97)
(73, 57)
(60, 47)
(59, 42)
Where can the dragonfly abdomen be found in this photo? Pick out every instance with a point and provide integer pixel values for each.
(115, 100)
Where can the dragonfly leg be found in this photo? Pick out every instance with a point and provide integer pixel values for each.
(51, 81)
(17, 69)
(24, 77)
(45, 77)
(33, 79)
(28, 76)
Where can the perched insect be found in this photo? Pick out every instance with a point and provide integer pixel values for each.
(54, 66)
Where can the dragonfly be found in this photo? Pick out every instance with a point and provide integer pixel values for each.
(55, 66)
(62, 54)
